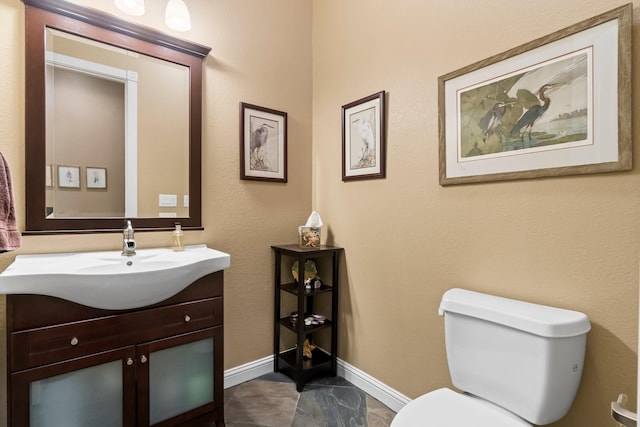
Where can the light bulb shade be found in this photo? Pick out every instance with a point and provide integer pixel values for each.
(131, 7)
(177, 16)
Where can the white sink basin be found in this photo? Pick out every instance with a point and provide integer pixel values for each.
(109, 280)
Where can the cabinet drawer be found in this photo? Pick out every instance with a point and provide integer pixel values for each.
(40, 346)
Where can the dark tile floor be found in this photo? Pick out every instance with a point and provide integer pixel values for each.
(272, 401)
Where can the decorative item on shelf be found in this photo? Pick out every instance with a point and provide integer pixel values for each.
(320, 318)
(293, 318)
(314, 319)
(310, 270)
(309, 235)
(312, 283)
(307, 349)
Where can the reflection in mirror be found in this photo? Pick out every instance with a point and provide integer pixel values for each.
(104, 110)
(113, 122)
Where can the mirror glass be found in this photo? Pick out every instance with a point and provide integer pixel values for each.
(113, 118)
(113, 123)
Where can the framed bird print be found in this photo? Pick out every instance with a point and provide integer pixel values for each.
(559, 105)
(263, 143)
(363, 138)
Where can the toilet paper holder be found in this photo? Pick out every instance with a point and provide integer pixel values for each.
(623, 416)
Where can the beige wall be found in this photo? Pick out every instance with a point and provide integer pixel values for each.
(571, 242)
(261, 54)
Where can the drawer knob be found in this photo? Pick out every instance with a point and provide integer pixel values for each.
(74, 341)
(129, 361)
(143, 359)
(187, 318)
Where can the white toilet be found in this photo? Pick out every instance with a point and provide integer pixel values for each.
(518, 364)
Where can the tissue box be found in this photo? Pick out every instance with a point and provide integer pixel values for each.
(309, 237)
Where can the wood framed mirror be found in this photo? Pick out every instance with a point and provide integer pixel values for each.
(152, 130)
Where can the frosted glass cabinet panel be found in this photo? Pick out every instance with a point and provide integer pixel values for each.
(180, 379)
(91, 391)
(86, 397)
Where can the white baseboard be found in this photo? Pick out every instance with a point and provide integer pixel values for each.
(382, 392)
(248, 371)
(385, 394)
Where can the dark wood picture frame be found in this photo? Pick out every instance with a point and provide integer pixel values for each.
(263, 143)
(364, 138)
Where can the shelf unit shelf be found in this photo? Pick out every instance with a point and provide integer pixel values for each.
(291, 361)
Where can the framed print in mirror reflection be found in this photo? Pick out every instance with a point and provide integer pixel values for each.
(48, 176)
(68, 176)
(96, 178)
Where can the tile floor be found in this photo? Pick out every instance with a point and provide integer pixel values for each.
(272, 401)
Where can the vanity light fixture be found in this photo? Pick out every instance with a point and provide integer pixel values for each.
(131, 7)
(176, 15)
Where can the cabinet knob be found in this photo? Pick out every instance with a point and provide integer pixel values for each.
(129, 361)
(74, 341)
(187, 318)
(143, 359)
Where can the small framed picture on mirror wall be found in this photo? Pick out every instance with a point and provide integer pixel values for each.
(48, 176)
(96, 177)
(68, 176)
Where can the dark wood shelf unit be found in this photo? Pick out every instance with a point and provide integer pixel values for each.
(291, 361)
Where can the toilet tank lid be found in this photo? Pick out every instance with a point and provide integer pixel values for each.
(533, 318)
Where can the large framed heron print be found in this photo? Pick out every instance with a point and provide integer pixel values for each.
(263, 143)
(558, 105)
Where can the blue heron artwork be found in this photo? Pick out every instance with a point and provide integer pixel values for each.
(263, 144)
(542, 107)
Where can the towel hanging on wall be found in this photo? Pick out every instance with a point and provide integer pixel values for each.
(9, 235)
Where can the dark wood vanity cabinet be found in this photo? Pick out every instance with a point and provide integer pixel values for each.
(161, 365)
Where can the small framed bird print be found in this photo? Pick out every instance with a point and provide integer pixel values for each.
(558, 105)
(263, 143)
(363, 138)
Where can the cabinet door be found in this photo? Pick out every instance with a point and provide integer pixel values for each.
(96, 391)
(177, 378)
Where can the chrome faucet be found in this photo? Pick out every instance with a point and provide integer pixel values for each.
(128, 242)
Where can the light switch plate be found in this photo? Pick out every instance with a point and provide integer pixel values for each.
(167, 200)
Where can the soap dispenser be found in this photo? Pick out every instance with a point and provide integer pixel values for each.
(178, 235)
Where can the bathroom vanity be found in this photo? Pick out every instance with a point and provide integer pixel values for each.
(69, 364)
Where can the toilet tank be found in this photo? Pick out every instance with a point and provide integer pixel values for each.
(524, 357)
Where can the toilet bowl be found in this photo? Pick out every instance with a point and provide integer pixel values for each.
(516, 364)
(447, 408)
